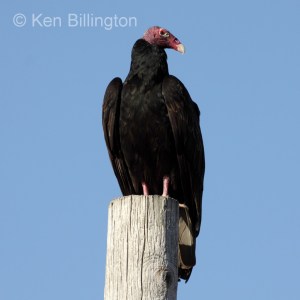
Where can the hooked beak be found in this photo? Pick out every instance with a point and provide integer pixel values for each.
(180, 48)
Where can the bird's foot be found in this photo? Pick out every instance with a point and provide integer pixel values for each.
(166, 181)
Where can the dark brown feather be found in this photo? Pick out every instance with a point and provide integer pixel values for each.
(110, 123)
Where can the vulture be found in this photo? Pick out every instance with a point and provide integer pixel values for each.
(152, 133)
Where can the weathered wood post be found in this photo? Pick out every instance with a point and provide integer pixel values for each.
(142, 249)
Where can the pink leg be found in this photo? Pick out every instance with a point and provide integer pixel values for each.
(145, 189)
(166, 181)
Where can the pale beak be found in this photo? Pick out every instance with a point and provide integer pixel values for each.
(180, 48)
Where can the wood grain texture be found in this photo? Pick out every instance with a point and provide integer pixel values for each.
(142, 249)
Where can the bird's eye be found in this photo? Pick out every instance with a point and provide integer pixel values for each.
(164, 33)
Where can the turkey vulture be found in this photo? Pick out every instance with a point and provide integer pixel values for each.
(154, 141)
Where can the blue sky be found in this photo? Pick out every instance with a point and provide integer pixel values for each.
(242, 67)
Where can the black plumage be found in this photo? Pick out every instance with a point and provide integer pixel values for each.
(152, 132)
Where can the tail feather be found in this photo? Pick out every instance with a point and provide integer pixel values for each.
(187, 244)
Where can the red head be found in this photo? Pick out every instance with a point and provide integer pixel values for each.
(162, 37)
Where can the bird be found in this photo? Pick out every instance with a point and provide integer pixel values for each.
(152, 132)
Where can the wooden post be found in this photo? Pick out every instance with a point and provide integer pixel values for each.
(142, 249)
